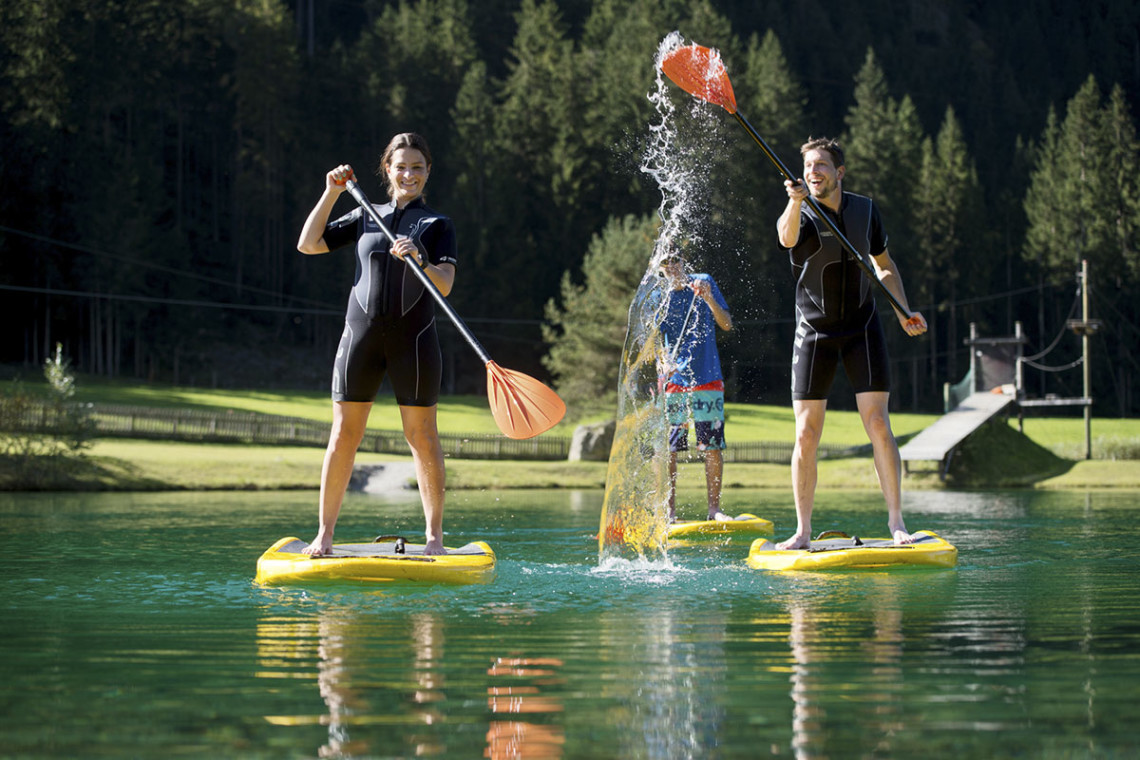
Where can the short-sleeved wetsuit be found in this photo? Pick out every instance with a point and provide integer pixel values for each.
(695, 389)
(836, 319)
(390, 324)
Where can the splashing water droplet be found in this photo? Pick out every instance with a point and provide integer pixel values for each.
(635, 508)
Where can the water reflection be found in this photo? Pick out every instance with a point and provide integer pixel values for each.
(847, 636)
(672, 705)
(342, 645)
(517, 690)
(353, 657)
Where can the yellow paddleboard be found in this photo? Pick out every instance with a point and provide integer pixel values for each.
(740, 525)
(388, 559)
(838, 551)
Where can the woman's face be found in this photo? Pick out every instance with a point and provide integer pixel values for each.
(407, 174)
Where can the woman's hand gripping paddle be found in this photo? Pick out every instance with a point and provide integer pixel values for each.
(522, 406)
(700, 72)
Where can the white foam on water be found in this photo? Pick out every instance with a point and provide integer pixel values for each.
(655, 572)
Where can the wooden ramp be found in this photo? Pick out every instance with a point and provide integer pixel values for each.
(936, 443)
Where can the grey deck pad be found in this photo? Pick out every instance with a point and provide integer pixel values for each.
(837, 544)
(379, 549)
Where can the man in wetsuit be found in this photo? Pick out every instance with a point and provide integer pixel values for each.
(836, 321)
(693, 384)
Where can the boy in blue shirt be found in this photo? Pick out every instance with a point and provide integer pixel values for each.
(691, 375)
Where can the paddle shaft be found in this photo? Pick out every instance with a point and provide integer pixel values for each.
(362, 199)
(680, 335)
(866, 267)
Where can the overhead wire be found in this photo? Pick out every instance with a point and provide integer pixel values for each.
(98, 253)
(1031, 360)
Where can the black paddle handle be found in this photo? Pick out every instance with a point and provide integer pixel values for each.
(355, 191)
(859, 259)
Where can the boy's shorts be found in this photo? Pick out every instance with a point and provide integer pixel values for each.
(705, 408)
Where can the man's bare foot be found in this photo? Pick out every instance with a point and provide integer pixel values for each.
(795, 542)
(320, 547)
(434, 547)
(720, 516)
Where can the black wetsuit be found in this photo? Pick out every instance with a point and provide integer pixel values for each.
(836, 319)
(390, 324)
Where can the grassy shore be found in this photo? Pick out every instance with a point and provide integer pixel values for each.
(1048, 455)
(126, 465)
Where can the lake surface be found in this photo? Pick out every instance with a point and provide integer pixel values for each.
(131, 628)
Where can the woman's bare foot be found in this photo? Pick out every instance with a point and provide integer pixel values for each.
(720, 516)
(321, 546)
(902, 537)
(434, 547)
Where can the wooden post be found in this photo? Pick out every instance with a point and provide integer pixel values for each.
(1019, 377)
(973, 358)
(1085, 357)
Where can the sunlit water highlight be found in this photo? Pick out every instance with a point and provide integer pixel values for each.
(131, 628)
(634, 514)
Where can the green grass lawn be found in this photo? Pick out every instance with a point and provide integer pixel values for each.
(463, 414)
(1051, 458)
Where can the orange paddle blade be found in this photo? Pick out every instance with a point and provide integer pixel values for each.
(522, 406)
(699, 71)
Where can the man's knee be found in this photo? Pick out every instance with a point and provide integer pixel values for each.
(878, 426)
(807, 443)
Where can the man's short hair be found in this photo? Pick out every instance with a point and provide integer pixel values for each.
(825, 143)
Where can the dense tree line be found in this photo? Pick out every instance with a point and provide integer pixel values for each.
(160, 157)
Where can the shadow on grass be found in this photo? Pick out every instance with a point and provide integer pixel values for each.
(997, 456)
(74, 473)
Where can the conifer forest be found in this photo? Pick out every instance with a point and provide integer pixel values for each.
(159, 159)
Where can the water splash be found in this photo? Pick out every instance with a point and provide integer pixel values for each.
(635, 509)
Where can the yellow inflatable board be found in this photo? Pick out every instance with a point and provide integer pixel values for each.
(388, 559)
(838, 551)
(740, 525)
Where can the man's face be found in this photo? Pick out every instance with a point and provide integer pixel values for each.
(821, 174)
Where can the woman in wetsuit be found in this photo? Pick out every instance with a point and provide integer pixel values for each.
(389, 327)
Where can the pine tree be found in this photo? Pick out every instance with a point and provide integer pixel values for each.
(615, 64)
(869, 138)
(587, 331)
(472, 163)
(947, 216)
(774, 101)
(537, 164)
(415, 57)
(1122, 193)
(770, 94)
(1068, 219)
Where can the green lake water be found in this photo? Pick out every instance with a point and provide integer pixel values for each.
(131, 628)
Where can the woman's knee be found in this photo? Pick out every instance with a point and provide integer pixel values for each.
(348, 426)
(422, 435)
